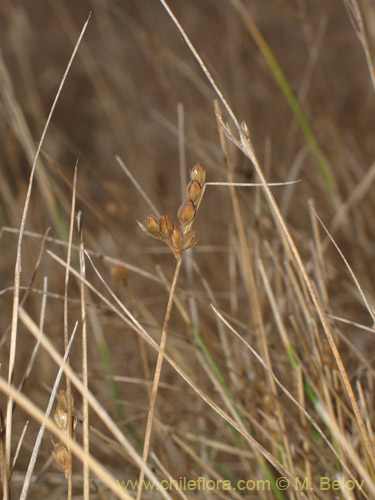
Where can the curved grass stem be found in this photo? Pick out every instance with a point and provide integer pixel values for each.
(159, 365)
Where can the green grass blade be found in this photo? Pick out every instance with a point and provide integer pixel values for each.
(281, 80)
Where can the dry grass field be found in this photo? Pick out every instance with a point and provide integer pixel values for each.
(137, 363)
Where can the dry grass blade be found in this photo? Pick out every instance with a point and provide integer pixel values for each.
(358, 286)
(132, 321)
(275, 310)
(25, 296)
(183, 183)
(251, 184)
(355, 197)
(109, 259)
(246, 147)
(349, 450)
(95, 406)
(322, 410)
(179, 492)
(85, 407)
(365, 411)
(19, 445)
(220, 412)
(109, 106)
(260, 449)
(19, 124)
(353, 323)
(209, 471)
(200, 61)
(41, 327)
(38, 441)
(137, 186)
(356, 18)
(18, 266)
(4, 470)
(181, 147)
(139, 329)
(66, 335)
(37, 415)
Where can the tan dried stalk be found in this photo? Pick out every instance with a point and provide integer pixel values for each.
(65, 459)
(17, 276)
(32, 410)
(85, 404)
(356, 18)
(132, 322)
(179, 238)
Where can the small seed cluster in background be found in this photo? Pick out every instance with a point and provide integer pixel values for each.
(60, 451)
(179, 237)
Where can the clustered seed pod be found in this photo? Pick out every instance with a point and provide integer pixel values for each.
(179, 237)
(61, 455)
(152, 224)
(190, 240)
(193, 192)
(186, 212)
(60, 415)
(63, 400)
(198, 174)
(176, 237)
(166, 226)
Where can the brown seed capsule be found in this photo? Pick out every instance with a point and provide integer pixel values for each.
(148, 232)
(61, 418)
(198, 174)
(190, 240)
(63, 400)
(186, 212)
(176, 238)
(166, 226)
(193, 191)
(152, 225)
(61, 456)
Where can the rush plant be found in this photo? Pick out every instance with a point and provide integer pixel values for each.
(179, 237)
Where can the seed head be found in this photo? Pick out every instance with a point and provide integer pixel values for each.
(193, 191)
(176, 238)
(166, 226)
(190, 240)
(198, 174)
(61, 418)
(152, 225)
(61, 456)
(63, 400)
(186, 212)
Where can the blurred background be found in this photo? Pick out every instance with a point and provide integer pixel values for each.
(133, 70)
(136, 91)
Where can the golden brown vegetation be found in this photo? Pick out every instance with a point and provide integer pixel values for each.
(245, 363)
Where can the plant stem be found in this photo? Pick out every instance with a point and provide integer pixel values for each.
(158, 368)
